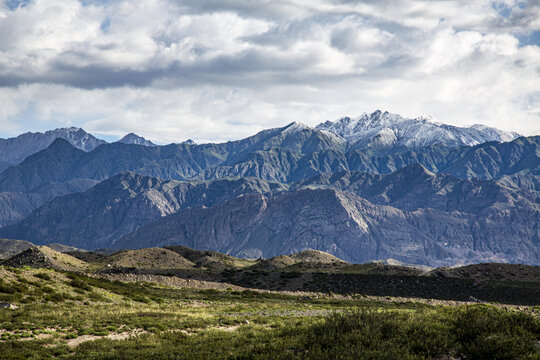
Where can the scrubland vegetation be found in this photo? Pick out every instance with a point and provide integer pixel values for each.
(73, 316)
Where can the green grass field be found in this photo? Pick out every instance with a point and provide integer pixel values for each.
(72, 316)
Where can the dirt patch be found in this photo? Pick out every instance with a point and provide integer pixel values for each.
(116, 336)
(196, 331)
(226, 328)
(170, 281)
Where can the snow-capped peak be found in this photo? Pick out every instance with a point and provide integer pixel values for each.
(363, 123)
(386, 131)
(76, 136)
(295, 127)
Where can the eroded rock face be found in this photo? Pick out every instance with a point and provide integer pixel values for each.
(349, 227)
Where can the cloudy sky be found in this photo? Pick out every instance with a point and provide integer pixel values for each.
(215, 70)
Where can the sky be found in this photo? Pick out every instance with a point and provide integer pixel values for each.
(216, 70)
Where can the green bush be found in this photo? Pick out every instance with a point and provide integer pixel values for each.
(55, 297)
(485, 333)
(43, 276)
(466, 333)
(80, 284)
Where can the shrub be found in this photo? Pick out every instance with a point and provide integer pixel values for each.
(467, 333)
(80, 284)
(55, 297)
(43, 276)
(485, 333)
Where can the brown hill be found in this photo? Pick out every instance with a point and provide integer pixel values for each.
(150, 258)
(300, 261)
(210, 259)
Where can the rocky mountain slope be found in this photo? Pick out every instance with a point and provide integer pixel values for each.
(62, 169)
(282, 155)
(349, 227)
(123, 203)
(414, 187)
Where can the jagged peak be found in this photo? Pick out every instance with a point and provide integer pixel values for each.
(67, 129)
(296, 126)
(348, 126)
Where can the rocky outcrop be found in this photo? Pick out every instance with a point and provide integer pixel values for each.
(33, 257)
(45, 257)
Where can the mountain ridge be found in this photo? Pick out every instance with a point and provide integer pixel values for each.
(14, 150)
(386, 132)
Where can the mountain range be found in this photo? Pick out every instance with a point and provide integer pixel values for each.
(374, 187)
(16, 149)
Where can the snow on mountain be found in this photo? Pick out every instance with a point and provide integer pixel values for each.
(132, 138)
(386, 131)
(77, 137)
(16, 149)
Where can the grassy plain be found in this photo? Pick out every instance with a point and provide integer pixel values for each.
(68, 315)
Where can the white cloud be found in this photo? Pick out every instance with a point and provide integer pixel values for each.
(217, 70)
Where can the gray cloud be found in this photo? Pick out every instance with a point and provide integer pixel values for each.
(273, 61)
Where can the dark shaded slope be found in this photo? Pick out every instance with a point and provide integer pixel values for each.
(52, 165)
(9, 248)
(117, 206)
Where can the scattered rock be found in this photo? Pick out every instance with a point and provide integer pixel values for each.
(6, 305)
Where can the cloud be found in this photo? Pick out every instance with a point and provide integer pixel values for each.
(216, 70)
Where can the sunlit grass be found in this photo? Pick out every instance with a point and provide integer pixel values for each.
(172, 323)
